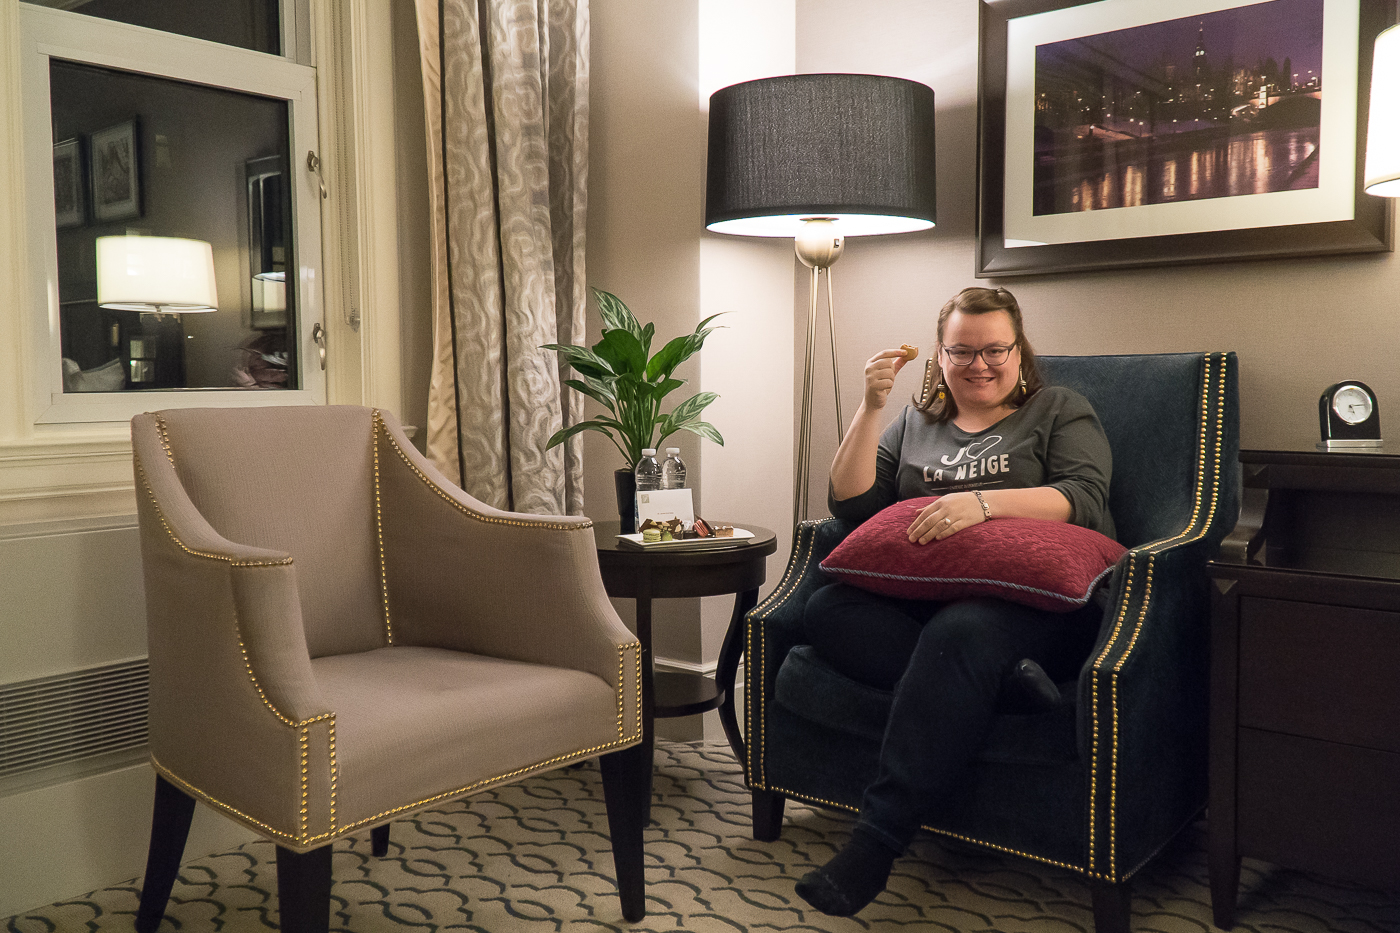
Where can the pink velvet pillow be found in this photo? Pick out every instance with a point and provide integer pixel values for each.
(1049, 565)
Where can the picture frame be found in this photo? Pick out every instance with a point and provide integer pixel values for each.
(1038, 178)
(115, 158)
(69, 185)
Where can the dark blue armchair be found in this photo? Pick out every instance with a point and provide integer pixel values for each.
(1100, 783)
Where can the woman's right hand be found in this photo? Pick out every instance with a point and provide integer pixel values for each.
(879, 377)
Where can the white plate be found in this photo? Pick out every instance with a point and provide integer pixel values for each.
(740, 535)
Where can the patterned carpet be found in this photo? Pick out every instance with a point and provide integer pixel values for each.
(535, 857)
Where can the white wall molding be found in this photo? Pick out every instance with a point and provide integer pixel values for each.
(49, 504)
(84, 524)
(354, 59)
(13, 253)
(676, 665)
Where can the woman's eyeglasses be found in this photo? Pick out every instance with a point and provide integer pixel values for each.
(992, 356)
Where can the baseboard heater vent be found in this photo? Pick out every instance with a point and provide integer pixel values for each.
(55, 729)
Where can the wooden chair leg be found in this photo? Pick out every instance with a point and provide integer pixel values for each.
(767, 815)
(1113, 907)
(304, 890)
(626, 786)
(170, 826)
(1224, 866)
(379, 841)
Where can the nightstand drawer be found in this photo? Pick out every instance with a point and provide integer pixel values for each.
(1319, 806)
(1325, 672)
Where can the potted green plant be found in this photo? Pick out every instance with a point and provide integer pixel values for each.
(620, 374)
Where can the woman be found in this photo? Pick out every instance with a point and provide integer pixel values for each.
(946, 662)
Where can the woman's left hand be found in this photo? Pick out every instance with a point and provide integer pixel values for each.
(946, 516)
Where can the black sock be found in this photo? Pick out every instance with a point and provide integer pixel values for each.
(853, 878)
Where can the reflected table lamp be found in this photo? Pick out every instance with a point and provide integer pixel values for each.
(154, 275)
(820, 157)
(1382, 176)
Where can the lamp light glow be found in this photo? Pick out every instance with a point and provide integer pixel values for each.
(162, 275)
(1382, 176)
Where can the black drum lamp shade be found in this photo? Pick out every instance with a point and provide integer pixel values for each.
(819, 158)
(856, 149)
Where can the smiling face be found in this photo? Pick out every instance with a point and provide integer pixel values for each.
(978, 387)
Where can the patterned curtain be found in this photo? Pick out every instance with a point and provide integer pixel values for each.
(506, 86)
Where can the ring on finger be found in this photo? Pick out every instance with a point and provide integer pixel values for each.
(947, 521)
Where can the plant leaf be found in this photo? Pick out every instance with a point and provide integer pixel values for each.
(623, 352)
(669, 357)
(690, 409)
(616, 315)
(564, 434)
(665, 387)
(680, 349)
(594, 389)
(583, 360)
(702, 428)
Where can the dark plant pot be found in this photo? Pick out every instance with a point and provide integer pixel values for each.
(626, 483)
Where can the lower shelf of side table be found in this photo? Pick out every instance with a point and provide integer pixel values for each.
(679, 693)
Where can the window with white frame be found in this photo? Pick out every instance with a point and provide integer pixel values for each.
(177, 260)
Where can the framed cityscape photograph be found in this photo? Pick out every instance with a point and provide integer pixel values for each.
(69, 204)
(1124, 133)
(116, 172)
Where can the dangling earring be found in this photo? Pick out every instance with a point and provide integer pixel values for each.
(928, 385)
(1021, 378)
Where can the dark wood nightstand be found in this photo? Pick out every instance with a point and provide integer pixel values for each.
(1305, 672)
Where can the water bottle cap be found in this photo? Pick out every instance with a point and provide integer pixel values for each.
(673, 450)
(648, 451)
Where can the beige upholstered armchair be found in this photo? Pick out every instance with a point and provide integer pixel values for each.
(339, 636)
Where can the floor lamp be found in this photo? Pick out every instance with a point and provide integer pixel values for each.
(819, 158)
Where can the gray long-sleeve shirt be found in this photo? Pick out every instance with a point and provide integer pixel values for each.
(1054, 440)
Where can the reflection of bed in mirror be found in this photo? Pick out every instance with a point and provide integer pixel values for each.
(107, 350)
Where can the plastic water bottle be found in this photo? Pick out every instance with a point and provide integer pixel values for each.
(673, 469)
(648, 471)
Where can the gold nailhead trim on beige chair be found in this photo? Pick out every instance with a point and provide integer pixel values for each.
(489, 519)
(303, 836)
(379, 528)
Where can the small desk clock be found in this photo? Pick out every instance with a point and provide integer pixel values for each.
(1349, 417)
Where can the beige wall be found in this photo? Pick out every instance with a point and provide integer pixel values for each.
(645, 184)
(650, 64)
(1298, 325)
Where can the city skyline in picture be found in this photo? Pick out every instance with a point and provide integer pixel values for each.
(1220, 105)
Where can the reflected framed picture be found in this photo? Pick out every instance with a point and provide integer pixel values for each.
(69, 204)
(116, 172)
(1123, 133)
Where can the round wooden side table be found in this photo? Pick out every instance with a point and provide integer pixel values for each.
(678, 573)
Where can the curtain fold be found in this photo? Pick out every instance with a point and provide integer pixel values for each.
(506, 89)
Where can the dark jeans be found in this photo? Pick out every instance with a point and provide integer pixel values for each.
(945, 663)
